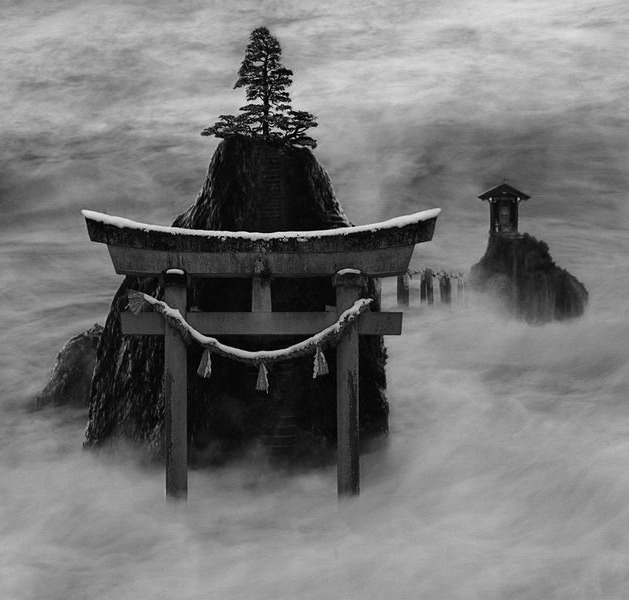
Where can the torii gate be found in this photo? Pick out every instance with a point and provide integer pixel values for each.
(346, 254)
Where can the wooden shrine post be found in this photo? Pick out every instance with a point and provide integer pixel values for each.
(426, 287)
(348, 284)
(445, 289)
(403, 289)
(460, 290)
(175, 390)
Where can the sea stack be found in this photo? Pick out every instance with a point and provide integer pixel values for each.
(252, 185)
(71, 376)
(520, 271)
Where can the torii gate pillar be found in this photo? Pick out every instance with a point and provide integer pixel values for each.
(175, 391)
(348, 284)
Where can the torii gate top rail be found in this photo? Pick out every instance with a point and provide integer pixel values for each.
(380, 249)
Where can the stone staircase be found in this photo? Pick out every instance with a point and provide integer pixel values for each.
(281, 438)
(272, 213)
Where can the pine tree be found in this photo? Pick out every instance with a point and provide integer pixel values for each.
(269, 113)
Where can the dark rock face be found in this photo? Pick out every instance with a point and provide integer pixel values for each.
(72, 374)
(520, 270)
(251, 186)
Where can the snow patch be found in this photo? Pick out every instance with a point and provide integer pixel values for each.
(349, 272)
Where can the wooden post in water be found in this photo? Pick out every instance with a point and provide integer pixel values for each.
(427, 293)
(403, 289)
(176, 390)
(445, 289)
(348, 284)
(414, 291)
(460, 289)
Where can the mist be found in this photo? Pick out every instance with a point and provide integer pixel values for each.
(504, 473)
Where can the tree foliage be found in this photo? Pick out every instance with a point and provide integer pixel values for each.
(269, 113)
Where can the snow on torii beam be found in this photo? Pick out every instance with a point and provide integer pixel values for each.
(379, 250)
(346, 254)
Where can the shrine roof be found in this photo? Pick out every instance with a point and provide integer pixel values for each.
(504, 190)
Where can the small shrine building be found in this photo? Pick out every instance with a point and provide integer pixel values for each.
(504, 202)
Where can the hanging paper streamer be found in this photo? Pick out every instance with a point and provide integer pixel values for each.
(136, 302)
(205, 366)
(320, 366)
(262, 385)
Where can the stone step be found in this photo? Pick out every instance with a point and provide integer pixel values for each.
(283, 435)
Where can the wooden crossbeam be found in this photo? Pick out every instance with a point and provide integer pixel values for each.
(143, 262)
(261, 323)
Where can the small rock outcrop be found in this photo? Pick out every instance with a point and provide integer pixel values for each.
(519, 270)
(71, 377)
(251, 186)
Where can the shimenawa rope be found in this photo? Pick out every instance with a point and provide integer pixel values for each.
(139, 302)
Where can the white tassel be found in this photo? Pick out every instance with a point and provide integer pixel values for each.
(205, 366)
(262, 385)
(320, 366)
(136, 302)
